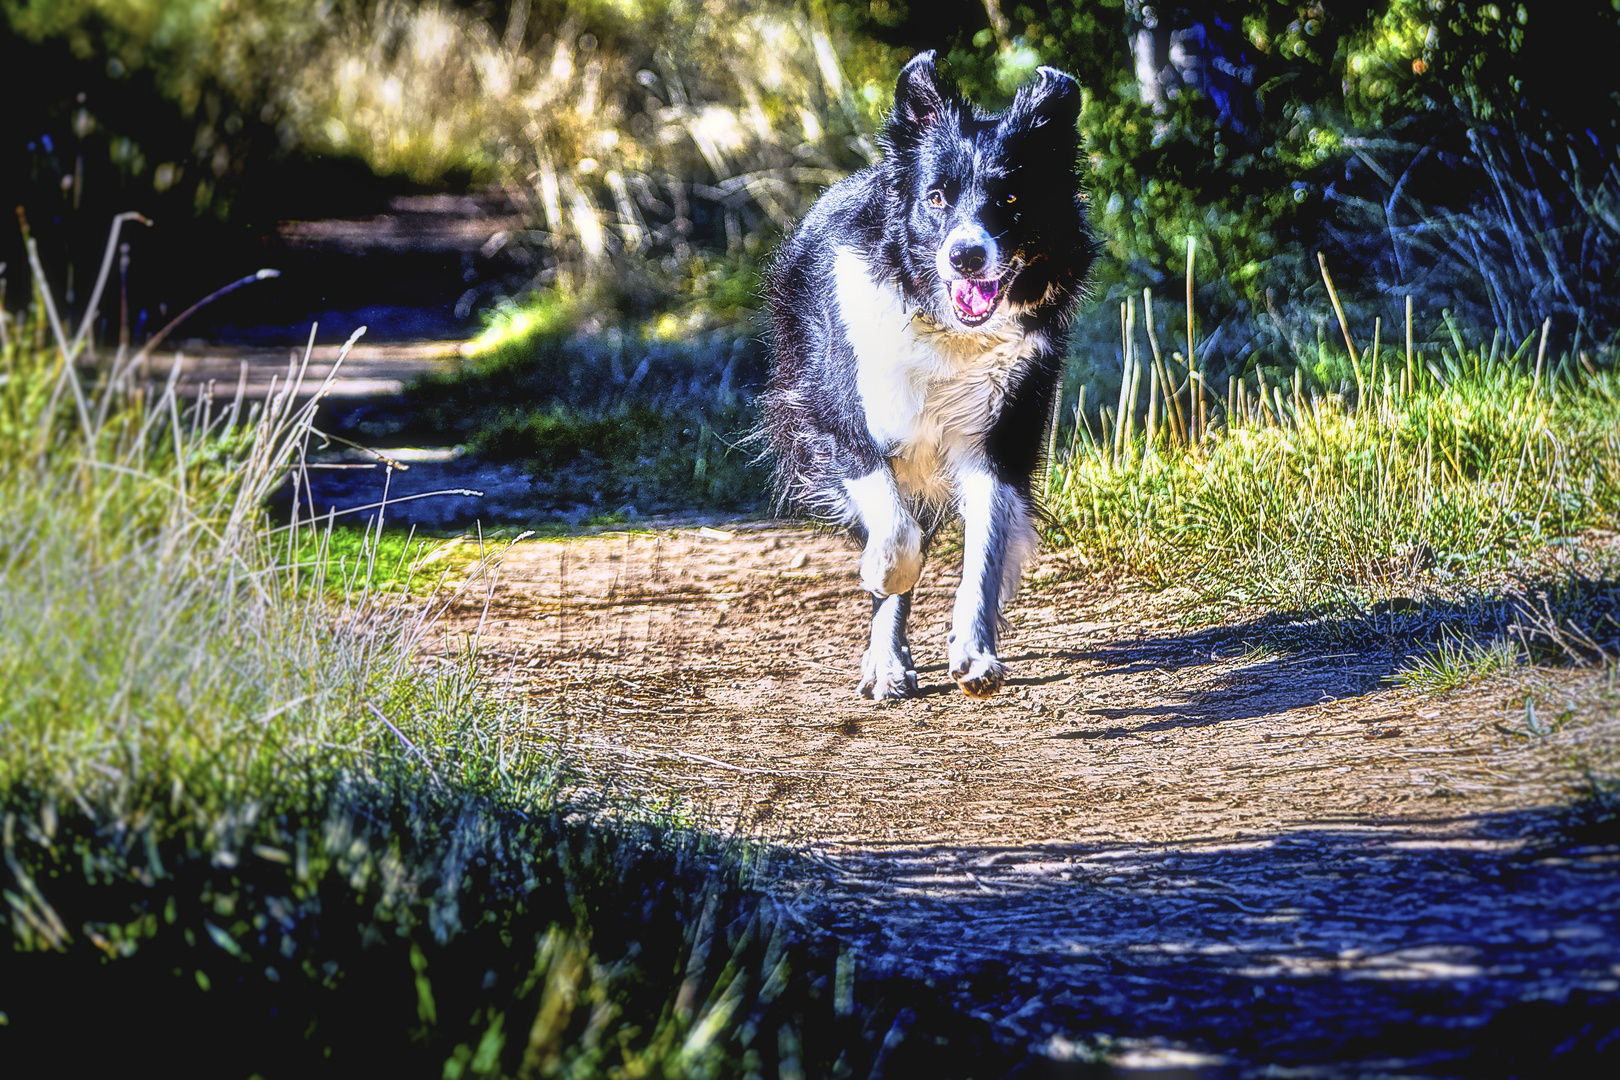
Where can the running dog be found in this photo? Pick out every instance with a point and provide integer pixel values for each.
(918, 319)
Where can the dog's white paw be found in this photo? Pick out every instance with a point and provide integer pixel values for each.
(886, 674)
(892, 564)
(977, 671)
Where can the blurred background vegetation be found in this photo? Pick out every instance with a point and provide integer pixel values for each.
(654, 151)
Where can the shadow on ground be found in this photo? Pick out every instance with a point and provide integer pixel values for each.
(1480, 946)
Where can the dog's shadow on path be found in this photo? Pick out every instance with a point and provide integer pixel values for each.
(1303, 659)
(1266, 666)
(1283, 661)
(1274, 683)
(1267, 687)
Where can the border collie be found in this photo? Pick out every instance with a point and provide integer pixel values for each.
(918, 319)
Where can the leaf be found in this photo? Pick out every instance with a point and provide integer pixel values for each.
(223, 940)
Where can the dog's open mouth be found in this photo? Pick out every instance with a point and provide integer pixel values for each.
(975, 300)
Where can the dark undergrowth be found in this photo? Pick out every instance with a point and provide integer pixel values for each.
(416, 934)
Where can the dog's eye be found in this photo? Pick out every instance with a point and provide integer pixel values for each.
(936, 198)
(1008, 200)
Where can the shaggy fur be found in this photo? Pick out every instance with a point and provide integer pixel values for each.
(918, 321)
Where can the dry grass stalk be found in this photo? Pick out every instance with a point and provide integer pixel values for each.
(1344, 324)
(1378, 324)
(1410, 383)
(1172, 405)
(1135, 373)
(1124, 381)
(1541, 355)
(1195, 411)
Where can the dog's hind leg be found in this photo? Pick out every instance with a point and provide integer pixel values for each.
(998, 538)
(887, 670)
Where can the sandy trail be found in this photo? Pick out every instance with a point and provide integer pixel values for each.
(1240, 838)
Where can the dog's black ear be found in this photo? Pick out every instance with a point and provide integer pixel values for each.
(1053, 98)
(920, 99)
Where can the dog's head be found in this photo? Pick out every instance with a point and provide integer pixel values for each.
(985, 219)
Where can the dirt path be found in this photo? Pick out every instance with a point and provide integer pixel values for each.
(1240, 838)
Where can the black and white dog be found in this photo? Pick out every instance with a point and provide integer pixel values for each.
(918, 324)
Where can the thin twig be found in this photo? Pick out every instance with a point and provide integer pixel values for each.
(257, 275)
(66, 376)
(101, 279)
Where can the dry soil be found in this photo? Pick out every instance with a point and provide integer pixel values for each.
(1235, 842)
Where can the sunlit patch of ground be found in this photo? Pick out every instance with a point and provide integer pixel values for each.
(1147, 822)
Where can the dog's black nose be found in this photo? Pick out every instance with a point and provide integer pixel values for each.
(967, 258)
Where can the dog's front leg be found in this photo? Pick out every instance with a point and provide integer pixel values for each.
(887, 670)
(890, 566)
(998, 538)
(893, 559)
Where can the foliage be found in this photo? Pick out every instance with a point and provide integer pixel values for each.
(1420, 143)
(420, 930)
(660, 148)
(170, 107)
(1416, 142)
(649, 416)
(1307, 497)
(646, 140)
(146, 641)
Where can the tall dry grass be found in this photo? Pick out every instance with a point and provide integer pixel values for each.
(151, 640)
(675, 133)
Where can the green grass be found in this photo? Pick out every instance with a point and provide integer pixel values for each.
(1320, 497)
(250, 827)
(345, 561)
(349, 560)
(1457, 661)
(649, 416)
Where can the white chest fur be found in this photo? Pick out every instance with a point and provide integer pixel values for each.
(930, 395)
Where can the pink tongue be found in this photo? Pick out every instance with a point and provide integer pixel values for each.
(973, 298)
